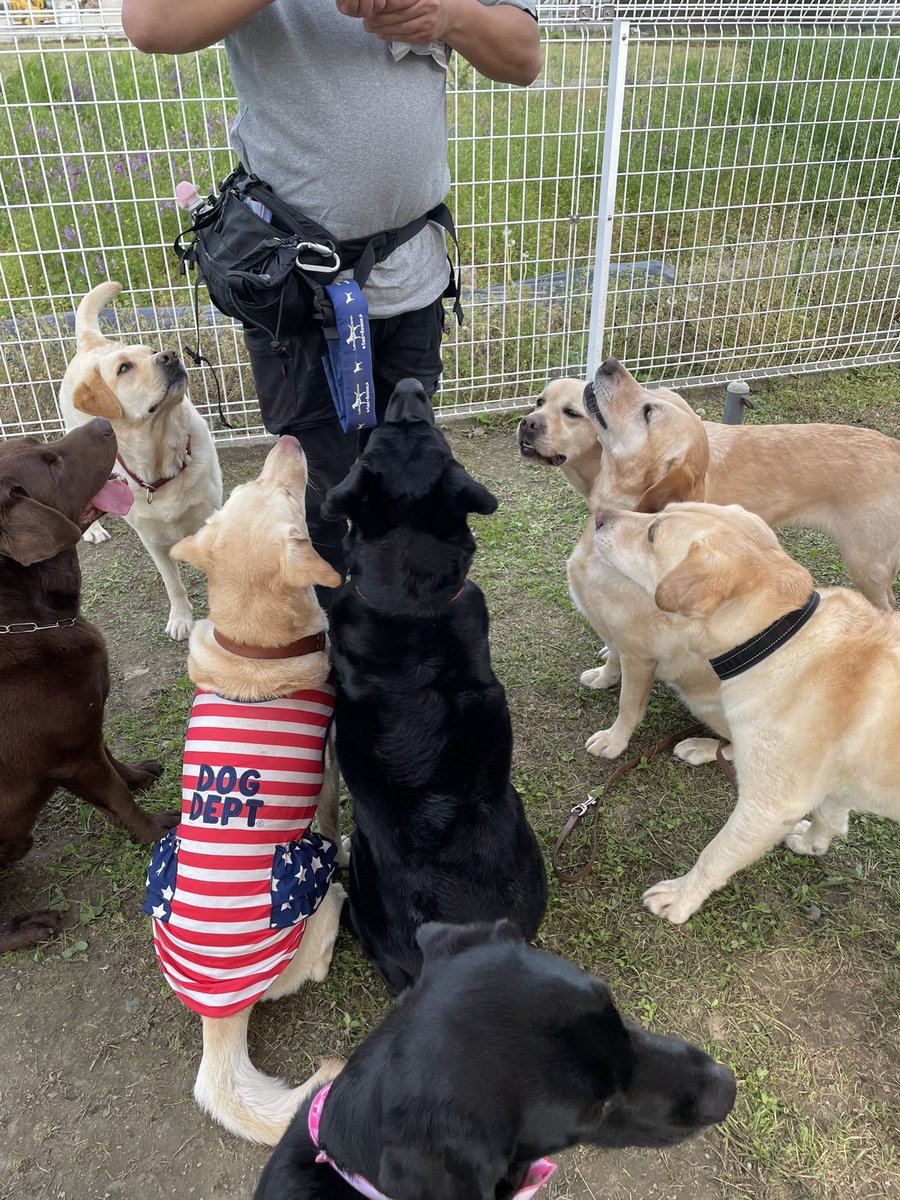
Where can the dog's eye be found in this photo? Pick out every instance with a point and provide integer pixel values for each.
(651, 532)
(539, 403)
(152, 408)
(123, 367)
(570, 412)
(648, 409)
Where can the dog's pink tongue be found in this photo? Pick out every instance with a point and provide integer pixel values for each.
(114, 497)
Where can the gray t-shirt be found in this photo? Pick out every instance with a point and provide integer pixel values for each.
(351, 130)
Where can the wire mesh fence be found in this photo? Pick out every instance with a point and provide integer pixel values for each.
(758, 184)
(746, 222)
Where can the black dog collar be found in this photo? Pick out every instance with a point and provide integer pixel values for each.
(761, 645)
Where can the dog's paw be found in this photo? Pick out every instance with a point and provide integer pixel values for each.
(95, 534)
(143, 774)
(180, 624)
(156, 825)
(801, 840)
(342, 858)
(697, 750)
(606, 743)
(29, 929)
(601, 677)
(672, 899)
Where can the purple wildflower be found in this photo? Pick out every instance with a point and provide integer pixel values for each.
(70, 234)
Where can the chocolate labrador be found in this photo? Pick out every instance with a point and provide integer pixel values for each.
(54, 674)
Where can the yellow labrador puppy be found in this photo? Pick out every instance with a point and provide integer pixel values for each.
(240, 893)
(166, 452)
(839, 479)
(810, 683)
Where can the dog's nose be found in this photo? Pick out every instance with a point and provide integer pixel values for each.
(718, 1096)
(610, 366)
(530, 423)
(600, 518)
(166, 357)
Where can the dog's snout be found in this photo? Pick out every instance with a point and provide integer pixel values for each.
(603, 519)
(101, 427)
(610, 366)
(530, 424)
(717, 1098)
(167, 358)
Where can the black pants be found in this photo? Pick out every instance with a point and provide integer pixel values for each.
(294, 398)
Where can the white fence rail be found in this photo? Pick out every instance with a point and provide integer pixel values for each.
(703, 190)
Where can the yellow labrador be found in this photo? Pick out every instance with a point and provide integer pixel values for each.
(231, 923)
(810, 683)
(166, 451)
(644, 644)
(639, 638)
(839, 479)
(558, 433)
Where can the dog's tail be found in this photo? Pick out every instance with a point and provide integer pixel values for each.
(87, 319)
(234, 1093)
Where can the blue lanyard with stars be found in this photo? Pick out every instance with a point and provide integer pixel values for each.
(348, 363)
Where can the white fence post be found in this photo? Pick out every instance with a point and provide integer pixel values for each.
(609, 178)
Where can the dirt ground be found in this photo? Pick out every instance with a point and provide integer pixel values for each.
(97, 1057)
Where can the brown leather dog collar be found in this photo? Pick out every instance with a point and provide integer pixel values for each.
(313, 643)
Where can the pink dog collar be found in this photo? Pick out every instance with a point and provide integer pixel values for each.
(538, 1173)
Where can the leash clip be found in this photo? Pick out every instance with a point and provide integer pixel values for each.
(580, 809)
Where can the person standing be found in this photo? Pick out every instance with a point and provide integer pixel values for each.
(342, 111)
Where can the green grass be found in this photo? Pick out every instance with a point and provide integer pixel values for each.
(791, 973)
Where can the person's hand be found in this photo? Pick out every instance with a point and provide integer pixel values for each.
(362, 9)
(416, 21)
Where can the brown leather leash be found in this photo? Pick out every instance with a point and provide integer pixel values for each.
(594, 798)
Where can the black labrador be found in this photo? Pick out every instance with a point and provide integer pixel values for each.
(500, 1054)
(54, 673)
(424, 739)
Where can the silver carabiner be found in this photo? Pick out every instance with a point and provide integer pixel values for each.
(319, 249)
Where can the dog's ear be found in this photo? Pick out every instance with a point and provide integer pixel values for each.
(303, 566)
(95, 397)
(31, 532)
(683, 479)
(454, 1168)
(699, 584)
(467, 493)
(679, 483)
(196, 548)
(344, 502)
(438, 940)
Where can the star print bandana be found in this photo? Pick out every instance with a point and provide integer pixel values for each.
(230, 888)
(348, 363)
(538, 1173)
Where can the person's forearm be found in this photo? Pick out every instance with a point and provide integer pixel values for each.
(501, 41)
(179, 26)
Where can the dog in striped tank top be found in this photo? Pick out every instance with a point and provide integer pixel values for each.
(240, 892)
